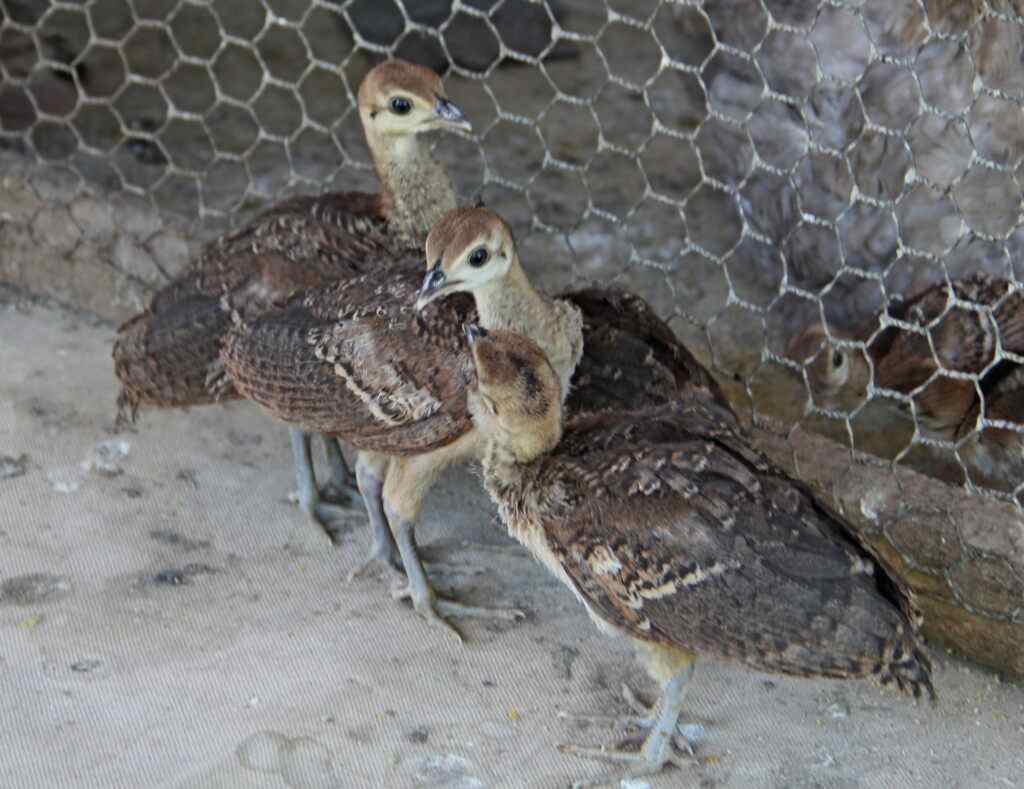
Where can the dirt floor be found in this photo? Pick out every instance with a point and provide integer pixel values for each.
(168, 618)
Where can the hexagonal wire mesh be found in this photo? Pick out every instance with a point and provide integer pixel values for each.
(751, 168)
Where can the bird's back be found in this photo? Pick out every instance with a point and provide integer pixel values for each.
(631, 358)
(165, 355)
(675, 532)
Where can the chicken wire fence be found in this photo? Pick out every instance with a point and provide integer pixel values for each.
(751, 167)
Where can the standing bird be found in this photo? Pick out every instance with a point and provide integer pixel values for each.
(945, 359)
(168, 355)
(673, 533)
(356, 360)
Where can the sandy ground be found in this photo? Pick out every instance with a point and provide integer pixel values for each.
(167, 618)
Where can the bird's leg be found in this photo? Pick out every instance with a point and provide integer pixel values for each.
(327, 516)
(342, 486)
(658, 747)
(407, 482)
(370, 472)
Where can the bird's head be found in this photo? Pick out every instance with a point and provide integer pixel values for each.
(831, 368)
(403, 99)
(517, 399)
(468, 249)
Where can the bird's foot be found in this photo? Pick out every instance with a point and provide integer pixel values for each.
(644, 718)
(384, 555)
(639, 763)
(663, 744)
(331, 521)
(435, 609)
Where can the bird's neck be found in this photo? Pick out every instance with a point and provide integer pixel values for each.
(415, 189)
(510, 483)
(556, 326)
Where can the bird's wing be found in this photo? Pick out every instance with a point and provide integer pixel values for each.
(298, 244)
(631, 358)
(355, 360)
(700, 543)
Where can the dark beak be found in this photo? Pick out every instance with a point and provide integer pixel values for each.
(451, 115)
(432, 285)
(474, 331)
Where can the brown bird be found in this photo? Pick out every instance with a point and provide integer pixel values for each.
(946, 357)
(168, 355)
(673, 533)
(358, 361)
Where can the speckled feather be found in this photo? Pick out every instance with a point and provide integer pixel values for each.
(672, 530)
(166, 355)
(355, 360)
(964, 340)
(327, 362)
(631, 358)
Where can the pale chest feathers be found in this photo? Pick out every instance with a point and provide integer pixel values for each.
(558, 329)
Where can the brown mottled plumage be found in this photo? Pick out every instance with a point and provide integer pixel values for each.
(168, 355)
(359, 361)
(674, 533)
(164, 355)
(988, 313)
(356, 360)
(631, 357)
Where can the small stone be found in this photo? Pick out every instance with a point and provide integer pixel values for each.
(94, 218)
(104, 458)
(446, 770)
(85, 666)
(64, 479)
(11, 467)
(132, 259)
(135, 216)
(170, 251)
(838, 710)
(54, 229)
(18, 203)
(55, 185)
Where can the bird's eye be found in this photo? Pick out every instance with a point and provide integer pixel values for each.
(478, 257)
(837, 359)
(401, 105)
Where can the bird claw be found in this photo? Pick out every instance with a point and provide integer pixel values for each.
(436, 609)
(427, 608)
(384, 556)
(643, 766)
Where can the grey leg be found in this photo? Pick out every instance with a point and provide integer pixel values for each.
(342, 486)
(383, 550)
(424, 599)
(327, 516)
(657, 749)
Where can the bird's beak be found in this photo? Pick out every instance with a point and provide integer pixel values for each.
(433, 286)
(474, 332)
(450, 115)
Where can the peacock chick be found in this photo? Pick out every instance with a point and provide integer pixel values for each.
(944, 356)
(359, 361)
(168, 356)
(673, 533)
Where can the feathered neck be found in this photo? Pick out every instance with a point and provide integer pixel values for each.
(509, 482)
(556, 326)
(415, 189)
